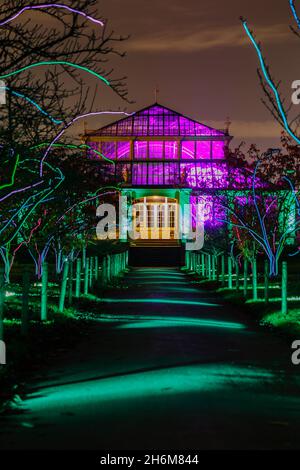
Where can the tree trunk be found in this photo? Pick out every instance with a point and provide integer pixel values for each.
(44, 293)
(63, 289)
(25, 303)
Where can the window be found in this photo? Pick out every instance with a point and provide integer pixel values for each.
(140, 126)
(139, 175)
(155, 173)
(171, 150)
(218, 148)
(203, 149)
(187, 127)
(109, 150)
(140, 150)
(171, 172)
(123, 150)
(156, 150)
(188, 150)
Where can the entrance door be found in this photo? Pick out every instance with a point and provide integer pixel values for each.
(156, 218)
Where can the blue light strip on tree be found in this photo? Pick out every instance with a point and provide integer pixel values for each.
(271, 84)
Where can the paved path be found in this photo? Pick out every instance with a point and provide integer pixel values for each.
(167, 365)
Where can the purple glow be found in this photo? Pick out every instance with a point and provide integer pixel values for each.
(156, 150)
(213, 213)
(198, 175)
(218, 149)
(158, 121)
(140, 150)
(171, 150)
(123, 150)
(192, 175)
(51, 5)
(188, 149)
(203, 149)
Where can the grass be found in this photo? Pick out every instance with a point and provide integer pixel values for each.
(30, 355)
(289, 323)
(267, 314)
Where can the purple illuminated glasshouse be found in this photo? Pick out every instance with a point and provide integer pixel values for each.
(159, 152)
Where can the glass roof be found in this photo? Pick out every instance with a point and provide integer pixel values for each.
(157, 120)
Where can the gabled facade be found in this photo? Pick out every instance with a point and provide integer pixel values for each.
(162, 160)
(158, 147)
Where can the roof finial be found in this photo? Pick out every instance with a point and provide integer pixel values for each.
(227, 124)
(156, 92)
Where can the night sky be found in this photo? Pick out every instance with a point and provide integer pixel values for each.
(198, 54)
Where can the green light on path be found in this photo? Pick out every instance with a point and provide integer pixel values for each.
(160, 301)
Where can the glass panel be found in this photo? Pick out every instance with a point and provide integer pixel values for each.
(150, 208)
(109, 150)
(139, 174)
(125, 127)
(171, 173)
(140, 150)
(220, 175)
(123, 150)
(171, 150)
(187, 127)
(155, 173)
(161, 215)
(203, 149)
(171, 214)
(218, 149)
(140, 126)
(156, 110)
(90, 153)
(200, 129)
(156, 150)
(188, 150)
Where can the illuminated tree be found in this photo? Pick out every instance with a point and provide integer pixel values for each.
(266, 217)
(274, 100)
(60, 91)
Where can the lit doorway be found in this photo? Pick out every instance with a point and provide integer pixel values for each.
(156, 218)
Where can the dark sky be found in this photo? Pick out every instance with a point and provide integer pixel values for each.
(199, 56)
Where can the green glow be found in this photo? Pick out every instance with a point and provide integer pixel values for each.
(272, 299)
(155, 277)
(13, 175)
(11, 294)
(184, 290)
(160, 301)
(170, 283)
(291, 320)
(166, 381)
(54, 62)
(146, 321)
